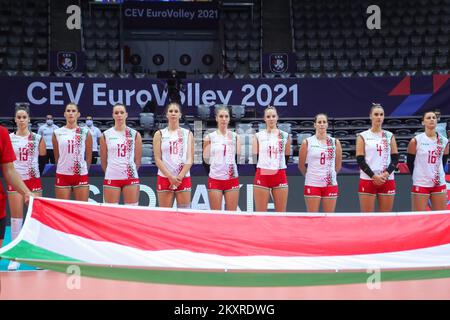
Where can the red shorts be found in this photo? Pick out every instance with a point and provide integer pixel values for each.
(367, 186)
(270, 178)
(64, 180)
(428, 190)
(120, 183)
(34, 184)
(223, 185)
(322, 192)
(163, 185)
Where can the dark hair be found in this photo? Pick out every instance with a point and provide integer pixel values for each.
(375, 106)
(172, 103)
(425, 113)
(22, 108)
(320, 114)
(72, 104)
(120, 105)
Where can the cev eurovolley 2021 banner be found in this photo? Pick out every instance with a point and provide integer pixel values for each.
(294, 97)
(231, 249)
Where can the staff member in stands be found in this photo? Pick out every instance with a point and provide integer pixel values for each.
(73, 154)
(377, 157)
(323, 156)
(271, 147)
(120, 155)
(427, 158)
(27, 146)
(46, 131)
(96, 134)
(220, 150)
(173, 149)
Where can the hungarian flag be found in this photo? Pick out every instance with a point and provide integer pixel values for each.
(215, 248)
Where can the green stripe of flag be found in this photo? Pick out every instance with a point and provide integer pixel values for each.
(207, 278)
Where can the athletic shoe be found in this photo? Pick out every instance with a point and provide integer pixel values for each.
(13, 265)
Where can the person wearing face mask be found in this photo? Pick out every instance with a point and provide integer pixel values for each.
(46, 131)
(96, 134)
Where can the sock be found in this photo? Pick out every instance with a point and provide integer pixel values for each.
(184, 206)
(16, 226)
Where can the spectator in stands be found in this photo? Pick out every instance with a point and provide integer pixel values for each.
(27, 147)
(173, 149)
(220, 150)
(271, 147)
(323, 154)
(46, 131)
(377, 157)
(7, 158)
(73, 154)
(120, 155)
(427, 157)
(96, 134)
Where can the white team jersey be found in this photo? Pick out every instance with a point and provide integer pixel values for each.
(72, 150)
(121, 147)
(428, 167)
(377, 148)
(272, 148)
(222, 157)
(321, 160)
(27, 154)
(174, 150)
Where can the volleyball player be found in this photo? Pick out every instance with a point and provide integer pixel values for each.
(73, 154)
(220, 150)
(28, 146)
(377, 157)
(323, 156)
(271, 147)
(120, 155)
(427, 157)
(173, 149)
